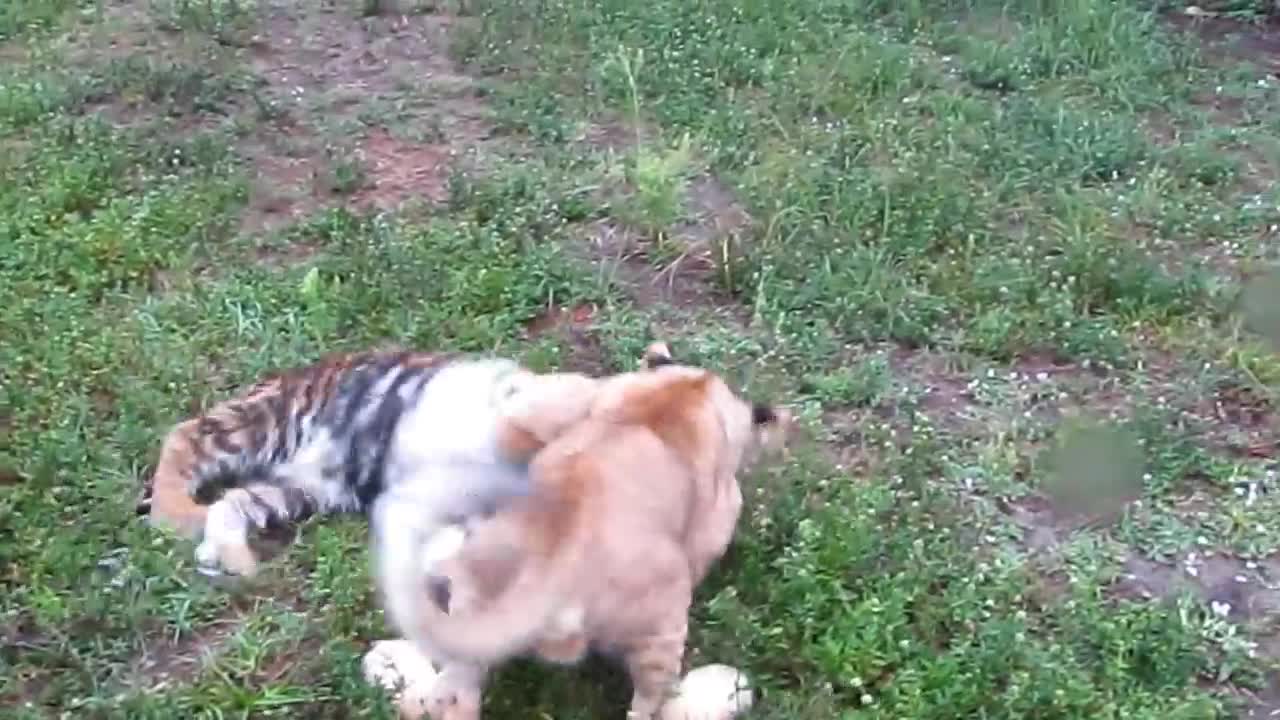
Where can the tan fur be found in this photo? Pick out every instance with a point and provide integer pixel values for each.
(631, 509)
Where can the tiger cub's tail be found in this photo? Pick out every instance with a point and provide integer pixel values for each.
(202, 457)
(243, 439)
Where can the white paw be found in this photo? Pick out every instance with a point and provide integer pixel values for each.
(397, 667)
(393, 664)
(207, 557)
(209, 561)
(223, 560)
(711, 692)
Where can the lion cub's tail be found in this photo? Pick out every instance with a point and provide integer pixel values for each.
(407, 550)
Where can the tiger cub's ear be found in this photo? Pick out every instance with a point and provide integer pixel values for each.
(656, 355)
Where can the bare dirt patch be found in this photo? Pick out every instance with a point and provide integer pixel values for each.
(1244, 421)
(1229, 40)
(178, 662)
(402, 170)
(336, 109)
(377, 110)
(947, 394)
(625, 256)
(1039, 387)
(685, 267)
(1266, 704)
(614, 134)
(284, 187)
(1235, 416)
(572, 328)
(682, 263)
(1046, 524)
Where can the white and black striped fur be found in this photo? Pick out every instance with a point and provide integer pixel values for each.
(330, 438)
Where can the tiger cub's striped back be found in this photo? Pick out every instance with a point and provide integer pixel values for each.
(309, 439)
(350, 400)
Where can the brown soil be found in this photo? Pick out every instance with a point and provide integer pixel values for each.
(329, 71)
(572, 326)
(363, 112)
(1229, 40)
(178, 662)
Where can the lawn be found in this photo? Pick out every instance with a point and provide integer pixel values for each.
(1012, 263)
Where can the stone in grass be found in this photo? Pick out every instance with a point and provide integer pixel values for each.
(711, 692)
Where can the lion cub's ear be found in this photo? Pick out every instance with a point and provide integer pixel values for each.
(773, 426)
(655, 356)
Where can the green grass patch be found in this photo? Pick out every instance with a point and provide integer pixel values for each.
(968, 233)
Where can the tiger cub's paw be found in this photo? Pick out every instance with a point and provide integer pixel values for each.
(217, 559)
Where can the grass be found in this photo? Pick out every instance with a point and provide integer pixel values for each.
(1012, 263)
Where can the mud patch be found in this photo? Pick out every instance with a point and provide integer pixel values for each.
(682, 250)
(283, 187)
(1226, 585)
(1244, 419)
(946, 393)
(959, 395)
(713, 237)
(1265, 703)
(1045, 526)
(613, 134)
(10, 476)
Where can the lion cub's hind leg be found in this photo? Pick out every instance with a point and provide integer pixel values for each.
(456, 694)
(653, 664)
(656, 622)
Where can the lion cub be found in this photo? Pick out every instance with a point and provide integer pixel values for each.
(628, 511)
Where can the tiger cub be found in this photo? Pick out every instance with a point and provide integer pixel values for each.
(332, 436)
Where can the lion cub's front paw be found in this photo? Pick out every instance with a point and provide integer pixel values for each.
(397, 667)
(711, 692)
